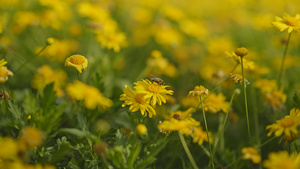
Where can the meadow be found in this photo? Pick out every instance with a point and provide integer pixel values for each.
(160, 84)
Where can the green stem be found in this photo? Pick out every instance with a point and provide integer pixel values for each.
(282, 61)
(78, 75)
(187, 151)
(265, 142)
(203, 112)
(219, 84)
(32, 58)
(246, 105)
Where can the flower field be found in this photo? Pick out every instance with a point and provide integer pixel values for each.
(162, 84)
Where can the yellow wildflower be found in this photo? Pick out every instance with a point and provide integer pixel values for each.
(3, 62)
(275, 98)
(266, 85)
(112, 40)
(90, 95)
(287, 22)
(198, 91)
(4, 73)
(31, 137)
(287, 126)
(9, 148)
(141, 128)
(215, 103)
(282, 160)
(137, 101)
(152, 90)
(180, 115)
(250, 153)
(50, 41)
(77, 61)
(241, 52)
(199, 136)
(236, 78)
(247, 64)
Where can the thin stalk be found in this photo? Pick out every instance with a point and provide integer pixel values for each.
(78, 75)
(203, 112)
(282, 61)
(187, 151)
(32, 58)
(265, 142)
(221, 81)
(246, 105)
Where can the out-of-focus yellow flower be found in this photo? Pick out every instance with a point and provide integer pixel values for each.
(152, 90)
(141, 15)
(137, 101)
(50, 41)
(3, 62)
(4, 72)
(250, 153)
(275, 98)
(172, 12)
(247, 64)
(200, 136)
(287, 22)
(236, 78)
(77, 61)
(90, 95)
(215, 103)
(31, 137)
(8, 148)
(112, 40)
(241, 52)
(193, 28)
(46, 75)
(198, 91)
(266, 85)
(167, 35)
(141, 128)
(282, 160)
(75, 30)
(287, 126)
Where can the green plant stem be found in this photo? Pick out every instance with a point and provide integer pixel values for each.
(272, 138)
(32, 58)
(281, 70)
(6, 104)
(219, 84)
(203, 112)
(187, 151)
(78, 75)
(246, 105)
(221, 132)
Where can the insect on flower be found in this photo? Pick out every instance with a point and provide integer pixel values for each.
(157, 80)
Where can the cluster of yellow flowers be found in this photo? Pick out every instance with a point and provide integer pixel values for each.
(13, 153)
(145, 96)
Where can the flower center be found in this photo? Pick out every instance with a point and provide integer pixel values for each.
(154, 88)
(287, 122)
(140, 99)
(292, 21)
(77, 59)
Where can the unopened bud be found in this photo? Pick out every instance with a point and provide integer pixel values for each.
(241, 52)
(50, 41)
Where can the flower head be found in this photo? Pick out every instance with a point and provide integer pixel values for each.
(4, 72)
(241, 52)
(247, 64)
(155, 92)
(236, 78)
(198, 91)
(250, 153)
(137, 101)
(282, 160)
(215, 103)
(77, 61)
(31, 137)
(287, 126)
(287, 22)
(141, 128)
(199, 136)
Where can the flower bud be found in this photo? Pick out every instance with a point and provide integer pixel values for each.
(241, 52)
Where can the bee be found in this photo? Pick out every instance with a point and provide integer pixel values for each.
(177, 116)
(157, 80)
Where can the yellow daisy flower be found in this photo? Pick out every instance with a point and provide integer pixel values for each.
(266, 85)
(77, 61)
(155, 92)
(236, 78)
(200, 136)
(282, 160)
(4, 73)
(287, 126)
(198, 91)
(250, 153)
(247, 64)
(275, 98)
(3, 62)
(287, 22)
(137, 101)
(215, 103)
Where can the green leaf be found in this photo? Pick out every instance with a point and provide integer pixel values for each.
(64, 147)
(73, 164)
(14, 109)
(135, 151)
(48, 97)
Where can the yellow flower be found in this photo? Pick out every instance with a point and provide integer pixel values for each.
(3, 62)
(141, 128)
(8, 148)
(241, 52)
(250, 153)
(275, 98)
(77, 61)
(247, 64)
(198, 91)
(215, 103)
(50, 41)
(180, 115)
(4, 73)
(137, 101)
(90, 95)
(287, 126)
(155, 92)
(236, 78)
(31, 137)
(282, 160)
(287, 22)
(46, 75)
(266, 85)
(199, 136)
(112, 40)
